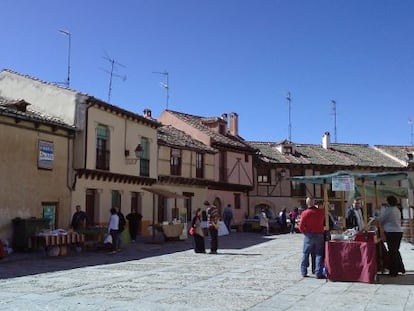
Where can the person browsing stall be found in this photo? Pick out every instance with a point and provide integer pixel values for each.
(390, 220)
(354, 217)
(312, 226)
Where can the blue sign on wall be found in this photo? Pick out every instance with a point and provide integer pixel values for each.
(46, 155)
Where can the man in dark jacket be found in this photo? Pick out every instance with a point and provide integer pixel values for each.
(121, 225)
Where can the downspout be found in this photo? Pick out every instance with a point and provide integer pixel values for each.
(70, 184)
(125, 133)
(86, 135)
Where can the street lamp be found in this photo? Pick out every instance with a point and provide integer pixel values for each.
(138, 154)
(67, 33)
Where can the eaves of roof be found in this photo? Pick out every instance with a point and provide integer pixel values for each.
(218, 140)
(117, 110)
(399, 152)
(172, 137)
(345, 155)
(34, 117)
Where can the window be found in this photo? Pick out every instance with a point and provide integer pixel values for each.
(246, 157)
(263, 175)
(144, 162)
(49, 212)
(222, 166)
(237, 201)
(116, 199)
(297, 188)
(199, 165)
(175, 162)
(222, 129)
(102, 148)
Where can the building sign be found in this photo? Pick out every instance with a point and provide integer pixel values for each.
(343, 183)
(46, 155)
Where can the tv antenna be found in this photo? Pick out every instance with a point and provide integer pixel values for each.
(334, 114)
(410, 121)
(289, 101)
(165, 84)
(113, 74)
(69, 35)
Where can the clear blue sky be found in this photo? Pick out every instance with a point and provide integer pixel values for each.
(232, 56)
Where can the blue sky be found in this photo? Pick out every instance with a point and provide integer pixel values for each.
(225, 56)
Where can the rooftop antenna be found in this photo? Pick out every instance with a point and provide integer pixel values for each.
(67, 33)
(289, 101)
(334, 114)
(113, 74)
(410, 121)
(165, 84)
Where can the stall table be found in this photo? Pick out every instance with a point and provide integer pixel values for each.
(56, 244)
(172, 231)
(352, 261)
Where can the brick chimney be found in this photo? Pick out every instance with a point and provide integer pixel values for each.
(326, 140)
(234, 124)
(147, 113)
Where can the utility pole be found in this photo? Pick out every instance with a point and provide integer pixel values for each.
(334, 114)
(289, 101)
(67, 33)
(410, 121)
(165, 84)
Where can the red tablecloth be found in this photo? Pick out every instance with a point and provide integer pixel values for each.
(351, 261)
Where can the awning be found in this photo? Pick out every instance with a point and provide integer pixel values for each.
(165, 193)
(327, 179)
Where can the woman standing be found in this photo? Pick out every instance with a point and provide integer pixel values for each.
(390, 220)
(293, 215)
(199, 246)
(113, 229)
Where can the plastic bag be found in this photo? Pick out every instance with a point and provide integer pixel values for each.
(108, 239)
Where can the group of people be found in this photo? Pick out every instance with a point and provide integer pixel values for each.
(312, 224)
(282, 220)
(212, 224)
(116, 224)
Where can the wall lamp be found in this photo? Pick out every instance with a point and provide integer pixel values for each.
(138, 154)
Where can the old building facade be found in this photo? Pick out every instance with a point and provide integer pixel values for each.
(35, 165)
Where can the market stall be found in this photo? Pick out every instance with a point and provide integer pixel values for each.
(349, 260)
(172, 229)
(56, 242)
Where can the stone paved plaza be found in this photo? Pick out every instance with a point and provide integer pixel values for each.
(250, 272)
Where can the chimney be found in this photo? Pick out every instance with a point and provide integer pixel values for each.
(234, 124)
(147, 113)
(224, 117)
(326, 140)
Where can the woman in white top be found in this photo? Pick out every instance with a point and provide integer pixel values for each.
(113, 229)
(264, 222)
(390, 220)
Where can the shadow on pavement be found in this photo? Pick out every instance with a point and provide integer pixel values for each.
(405, 279)
(35, 262)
